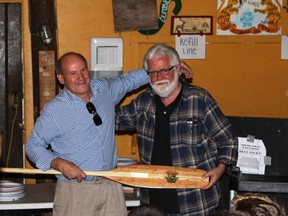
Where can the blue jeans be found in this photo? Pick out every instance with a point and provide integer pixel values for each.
(177, 214)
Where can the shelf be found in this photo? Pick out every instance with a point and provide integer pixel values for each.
(40, 196)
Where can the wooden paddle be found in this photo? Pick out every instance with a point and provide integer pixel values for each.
(148, 176)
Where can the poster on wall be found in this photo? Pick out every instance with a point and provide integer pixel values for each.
(248, 17)
(191, 25)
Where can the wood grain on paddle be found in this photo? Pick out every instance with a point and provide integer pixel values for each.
(148, 176)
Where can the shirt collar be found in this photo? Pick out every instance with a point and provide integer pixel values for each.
(70, 97)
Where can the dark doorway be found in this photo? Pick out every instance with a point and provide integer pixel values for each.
(11, 86)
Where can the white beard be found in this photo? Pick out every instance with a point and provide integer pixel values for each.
(166, 88)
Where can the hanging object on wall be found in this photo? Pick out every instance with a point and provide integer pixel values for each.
(254, 17)
(43, 26)
(133, 15)
(191, 25)
(191, 46)
(163, 15)
(45, 32)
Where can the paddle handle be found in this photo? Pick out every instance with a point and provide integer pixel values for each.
(108, 173)
(49, 172)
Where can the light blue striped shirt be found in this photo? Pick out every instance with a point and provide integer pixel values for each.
(68, 127)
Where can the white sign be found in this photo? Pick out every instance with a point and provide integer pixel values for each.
(251, 156)
(191, 46)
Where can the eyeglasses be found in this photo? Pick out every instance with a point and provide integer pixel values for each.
(92, 109)
(163, 71)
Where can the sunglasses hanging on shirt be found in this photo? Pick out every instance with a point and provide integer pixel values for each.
(92, 109)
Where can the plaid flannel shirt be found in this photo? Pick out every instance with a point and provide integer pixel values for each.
(200, 136)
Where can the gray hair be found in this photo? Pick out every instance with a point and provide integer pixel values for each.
(163, 50)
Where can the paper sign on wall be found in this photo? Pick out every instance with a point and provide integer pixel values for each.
(191, 46)
(251, 156)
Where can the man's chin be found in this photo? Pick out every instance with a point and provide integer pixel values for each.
(161, 88)
(160, 92)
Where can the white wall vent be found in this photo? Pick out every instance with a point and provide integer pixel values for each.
(106, 57)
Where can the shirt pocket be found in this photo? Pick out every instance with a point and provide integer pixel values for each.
(192, 130)
(194, 140)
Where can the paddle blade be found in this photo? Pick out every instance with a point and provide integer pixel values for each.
(154, 176)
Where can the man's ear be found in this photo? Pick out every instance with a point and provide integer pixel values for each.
(60, 78)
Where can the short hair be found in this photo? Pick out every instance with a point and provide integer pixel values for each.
(256, 204)
(163, 50)
(58, 64)
(146, 210)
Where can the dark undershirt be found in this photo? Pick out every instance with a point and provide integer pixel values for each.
(166, 199)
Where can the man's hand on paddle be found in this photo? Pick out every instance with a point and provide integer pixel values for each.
(214, 175)
(68, 169)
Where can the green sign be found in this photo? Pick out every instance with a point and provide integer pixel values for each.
(163, 15)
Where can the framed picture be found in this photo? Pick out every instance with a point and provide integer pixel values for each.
(191, 25)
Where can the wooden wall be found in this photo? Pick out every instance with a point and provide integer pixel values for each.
(244, 73)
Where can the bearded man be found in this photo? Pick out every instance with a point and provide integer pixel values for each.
(180, 125)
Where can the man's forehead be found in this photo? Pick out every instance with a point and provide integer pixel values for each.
(73, 60)
(159, 60)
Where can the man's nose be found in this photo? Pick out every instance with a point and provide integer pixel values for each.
(159, 75)
(80, 75)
